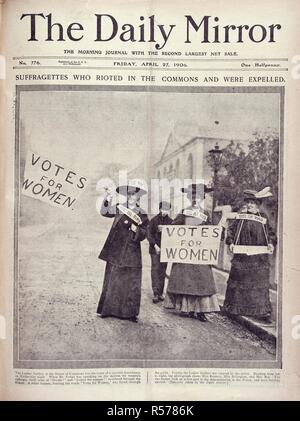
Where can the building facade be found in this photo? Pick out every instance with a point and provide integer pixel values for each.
(184, 160)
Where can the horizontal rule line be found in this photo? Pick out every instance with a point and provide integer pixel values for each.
(150, 68)
(145, 58)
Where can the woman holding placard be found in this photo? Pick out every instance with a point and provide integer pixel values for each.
(191, 288)
(251, 240)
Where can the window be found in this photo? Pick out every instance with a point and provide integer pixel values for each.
(190, 167)
(177, 168)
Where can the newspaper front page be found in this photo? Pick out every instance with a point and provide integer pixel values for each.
(149, 206)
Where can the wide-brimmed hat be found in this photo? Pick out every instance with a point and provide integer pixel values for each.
(198, 189)
(257, 195)
(134, 186)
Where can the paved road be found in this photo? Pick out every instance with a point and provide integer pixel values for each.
(60, 284)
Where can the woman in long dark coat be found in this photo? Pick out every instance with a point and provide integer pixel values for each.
(121, 292)
(191, 288)
(248, 284)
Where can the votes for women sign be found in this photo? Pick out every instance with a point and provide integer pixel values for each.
(191, 244)
(51, 182)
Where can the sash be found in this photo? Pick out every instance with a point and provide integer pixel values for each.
(251, 217)
(196, 213)
(131, 214)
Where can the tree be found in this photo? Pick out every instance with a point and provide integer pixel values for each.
(254, 167)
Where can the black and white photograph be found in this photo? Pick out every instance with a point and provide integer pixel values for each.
(148, 226)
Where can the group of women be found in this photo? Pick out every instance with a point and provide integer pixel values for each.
(191, 288)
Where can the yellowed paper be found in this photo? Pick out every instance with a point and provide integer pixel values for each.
(150, 98)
